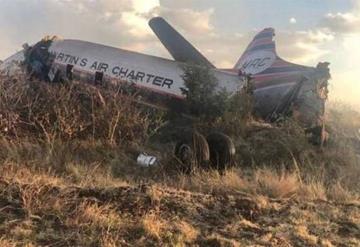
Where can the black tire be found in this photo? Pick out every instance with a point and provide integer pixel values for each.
(222, 151)
(192, 150)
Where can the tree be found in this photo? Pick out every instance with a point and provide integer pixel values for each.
(214, 107)
(204, 99)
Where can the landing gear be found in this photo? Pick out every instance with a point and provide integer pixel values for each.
(222, 151)
(214, 152)
(192, 150)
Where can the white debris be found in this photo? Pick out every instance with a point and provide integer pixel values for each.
(146, 160)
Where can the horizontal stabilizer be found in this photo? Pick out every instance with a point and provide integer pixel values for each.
(180, 49)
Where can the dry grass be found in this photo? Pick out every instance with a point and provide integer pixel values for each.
(69, 112)
(276, 185)
(98, 216)
(153, 226)
(302, 233)
(211, 182)
(75, 182)
(338, 193)
(265, 182)
(313, 191)
(6, 243)
(188, 233)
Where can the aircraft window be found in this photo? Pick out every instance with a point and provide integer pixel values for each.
(99, 77)
(69, 71)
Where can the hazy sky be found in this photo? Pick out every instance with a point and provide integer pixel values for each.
(308, 31)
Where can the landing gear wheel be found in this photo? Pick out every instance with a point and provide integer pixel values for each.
(192, 150)
(222, 151)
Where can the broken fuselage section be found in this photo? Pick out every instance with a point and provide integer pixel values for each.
(159, 79)
(280, 88)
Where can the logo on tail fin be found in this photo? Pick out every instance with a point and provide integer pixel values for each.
(256, 62)
(260, 54)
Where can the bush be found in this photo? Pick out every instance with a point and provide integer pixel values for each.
(203, 99)
(71, 111)
(214, 107)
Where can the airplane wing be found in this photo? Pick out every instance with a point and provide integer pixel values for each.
(180, 49)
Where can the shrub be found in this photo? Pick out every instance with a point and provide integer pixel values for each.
(209, 102)
(70, 111)
(203, 99)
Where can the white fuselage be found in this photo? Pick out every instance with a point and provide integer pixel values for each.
(148, 72)
(156, 74)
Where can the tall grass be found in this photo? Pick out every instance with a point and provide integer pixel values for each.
(70, 111)
(69, 176)
(82, 129)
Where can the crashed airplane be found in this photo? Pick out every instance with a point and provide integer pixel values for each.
(280, 87)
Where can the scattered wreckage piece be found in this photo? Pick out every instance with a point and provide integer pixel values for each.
(146, 160)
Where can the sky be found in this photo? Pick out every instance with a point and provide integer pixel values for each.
(307, 31)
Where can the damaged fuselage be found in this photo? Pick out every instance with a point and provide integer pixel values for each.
(280, 88)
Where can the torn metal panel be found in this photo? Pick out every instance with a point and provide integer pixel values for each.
(12, 65)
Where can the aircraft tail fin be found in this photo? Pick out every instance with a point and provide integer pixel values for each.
(180, 49)
(261, 58)
(260, 53)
